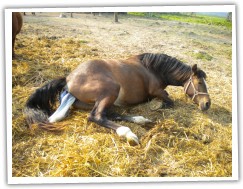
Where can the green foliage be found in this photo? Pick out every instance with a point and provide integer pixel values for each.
(83, 41)
(203, 56)
(137, 13)
(183, 17)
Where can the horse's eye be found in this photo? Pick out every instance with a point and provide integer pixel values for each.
(199, 82)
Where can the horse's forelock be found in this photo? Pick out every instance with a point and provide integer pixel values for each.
(201, 74)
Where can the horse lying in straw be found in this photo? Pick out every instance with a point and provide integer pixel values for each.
(103, 83)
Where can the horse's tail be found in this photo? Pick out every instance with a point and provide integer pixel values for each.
(40, 104)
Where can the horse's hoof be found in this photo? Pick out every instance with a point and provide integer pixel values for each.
(126, 132)
(167, 105)
(141, 120)
(133, 140)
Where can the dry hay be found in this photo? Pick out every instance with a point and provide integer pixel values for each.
(183, 142)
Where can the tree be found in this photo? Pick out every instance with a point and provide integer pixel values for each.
(150, 14)
(192, 13)
(229, 16)
(116, 16)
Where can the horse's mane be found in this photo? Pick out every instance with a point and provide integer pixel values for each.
(169, 69)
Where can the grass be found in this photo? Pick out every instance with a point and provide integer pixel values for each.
(202, 56)
(196, 19)
(183, 142)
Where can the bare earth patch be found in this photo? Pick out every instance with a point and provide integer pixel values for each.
(184, 142)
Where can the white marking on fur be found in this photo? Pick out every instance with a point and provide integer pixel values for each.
(140, 120)
(126, 132)
(122, 131)
(60, 113)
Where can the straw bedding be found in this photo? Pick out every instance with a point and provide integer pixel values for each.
(183, 141)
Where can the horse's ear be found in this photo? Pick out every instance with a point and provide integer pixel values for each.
(194, 69)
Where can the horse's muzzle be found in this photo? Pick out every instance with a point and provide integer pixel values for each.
(205, 105)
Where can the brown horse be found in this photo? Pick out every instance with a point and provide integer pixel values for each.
(17, 22)
(103, 83)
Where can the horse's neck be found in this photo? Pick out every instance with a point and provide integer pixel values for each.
(177, 80)
(169, 70)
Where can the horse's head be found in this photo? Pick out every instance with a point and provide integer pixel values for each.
(196, 88)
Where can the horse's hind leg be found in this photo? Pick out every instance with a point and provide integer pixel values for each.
(66, 101)
(98, 115)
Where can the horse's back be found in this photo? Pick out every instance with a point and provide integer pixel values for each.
(89, 80)
(95, 78)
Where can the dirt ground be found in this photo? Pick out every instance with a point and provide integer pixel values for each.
(183, 142)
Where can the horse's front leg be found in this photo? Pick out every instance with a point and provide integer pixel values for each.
(164, 96)
(134, 119)
(98, 115)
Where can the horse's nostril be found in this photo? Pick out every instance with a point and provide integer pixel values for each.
(207, 104)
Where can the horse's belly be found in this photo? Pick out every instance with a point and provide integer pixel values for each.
(130, 98)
